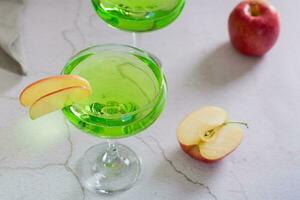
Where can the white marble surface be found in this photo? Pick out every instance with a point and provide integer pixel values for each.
(37, 158)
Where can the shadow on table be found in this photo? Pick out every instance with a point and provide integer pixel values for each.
(10, 72)
(221, 67)
(185, 173)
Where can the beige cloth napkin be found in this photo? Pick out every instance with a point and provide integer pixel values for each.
(9, 36)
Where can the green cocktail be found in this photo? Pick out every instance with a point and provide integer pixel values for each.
(138, 15)
(128, 95)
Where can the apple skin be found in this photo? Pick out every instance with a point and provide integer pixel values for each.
(193, 151)
(48, 85)
(253, 35)
(58, 100)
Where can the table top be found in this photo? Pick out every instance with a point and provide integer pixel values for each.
(37, 158)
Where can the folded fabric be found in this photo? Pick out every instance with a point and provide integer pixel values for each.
(9, 34)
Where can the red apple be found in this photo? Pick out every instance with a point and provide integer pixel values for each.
(253, 27)
(205, 135)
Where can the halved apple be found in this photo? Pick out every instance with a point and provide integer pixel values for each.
(58, 100)
(197, 123)
(206, 135)
(48, 85)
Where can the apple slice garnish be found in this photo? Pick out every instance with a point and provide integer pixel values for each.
(206, 134)
(196, 124)
(48, 85)
(58, 100)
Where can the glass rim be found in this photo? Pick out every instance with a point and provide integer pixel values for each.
(136, 11)
(162, 84)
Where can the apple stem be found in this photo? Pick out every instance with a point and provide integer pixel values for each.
(242, 123)
(254, 8)
(209, 134)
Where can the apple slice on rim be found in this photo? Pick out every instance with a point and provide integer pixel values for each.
(58, 100)
(45, 86)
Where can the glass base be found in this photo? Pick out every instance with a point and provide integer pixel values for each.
(99, 176)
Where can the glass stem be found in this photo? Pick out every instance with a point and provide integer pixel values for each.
(136, 39)
(111, 155)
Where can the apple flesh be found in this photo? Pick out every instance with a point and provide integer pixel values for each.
(253, 27)
(58, 100)
(48, 85)
(199, 121)
(228, 138)
(208, 143)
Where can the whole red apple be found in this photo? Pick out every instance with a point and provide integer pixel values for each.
(253, 27)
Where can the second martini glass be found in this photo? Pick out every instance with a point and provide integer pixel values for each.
(129, 92)
(138, 15)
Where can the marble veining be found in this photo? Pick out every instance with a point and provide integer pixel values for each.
(201, 69)
(180, 172)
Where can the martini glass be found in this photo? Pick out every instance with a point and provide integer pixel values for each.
(138, 15)
(128, 95)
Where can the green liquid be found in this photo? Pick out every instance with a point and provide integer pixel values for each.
(128, 92)
(138, 15)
